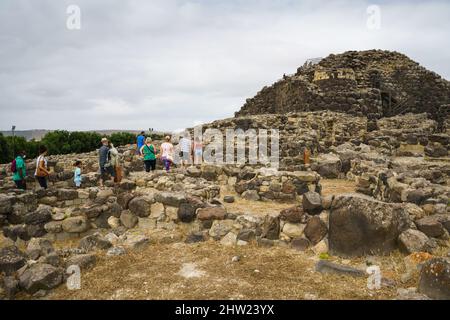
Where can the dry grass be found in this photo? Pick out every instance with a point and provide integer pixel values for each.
(261, 273)
(153, 274)
(242, 206)
(336, 186)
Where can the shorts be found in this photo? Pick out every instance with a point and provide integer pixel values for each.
(106, 171)
(185, 156)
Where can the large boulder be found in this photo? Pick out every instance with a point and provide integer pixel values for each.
(127, 185)
(11, 259)
(35, 230)
(187, 210)
(293, 230)
(41, 216)
(124, 198)
(360, 225)
(102, 196)
(315, 230)
(431, 226)
(249, 221)
(17, 231)
(84, 261)
(40, 277)
(136, 241)
(228, 199)
(412, 240)
(293, 215)
(77, 224)
(246, 235)
(312, 202)
(300, 244)
(271, 228)
(436, 150)
(6, 204)
(251, 195)
(211, 213)
(67, 194)
(38, 247)
(220, 228)
(209, 172)
(170, 198)
(94, 242)
(435, 279)
(92, 212)
(19, 210)
(444, 219)
(140, 206)
(53, 227)
(229, 239)
(328, 166)
(10, 286)
(417, 196)
(128, 219)
(3, 219)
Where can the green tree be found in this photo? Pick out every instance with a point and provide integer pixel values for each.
(60, 142)
(57, 142)
(5, 152)
(122, 138)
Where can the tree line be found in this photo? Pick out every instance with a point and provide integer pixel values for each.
(60, 142)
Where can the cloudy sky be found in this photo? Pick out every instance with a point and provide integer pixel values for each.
(170, 64)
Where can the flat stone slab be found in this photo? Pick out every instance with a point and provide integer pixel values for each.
(324, 266)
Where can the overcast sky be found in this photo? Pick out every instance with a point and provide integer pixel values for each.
(172, 64)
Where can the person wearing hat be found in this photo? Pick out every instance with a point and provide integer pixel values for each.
(104, 162)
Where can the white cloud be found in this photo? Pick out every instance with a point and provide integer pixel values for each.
(168, 64)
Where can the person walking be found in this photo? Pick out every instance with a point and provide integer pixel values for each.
(42, 172)
(198, 150)
(185, 149)
(166, 151)
(104, 164)
(77, 174)
(114, 157)
(148, 151)
(19, 171)
(140, 140)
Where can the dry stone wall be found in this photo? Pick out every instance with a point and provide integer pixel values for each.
(369, 83)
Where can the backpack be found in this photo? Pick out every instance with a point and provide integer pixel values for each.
(13, 166)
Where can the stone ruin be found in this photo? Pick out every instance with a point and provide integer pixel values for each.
(400, 166)
(372, 83)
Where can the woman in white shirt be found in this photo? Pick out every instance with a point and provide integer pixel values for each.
(42, 172)
(166, 151)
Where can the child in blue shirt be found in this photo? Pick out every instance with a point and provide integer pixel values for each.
(77, 174)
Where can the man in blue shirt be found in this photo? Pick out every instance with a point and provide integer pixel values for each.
(20, 174)
(140, 141)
